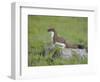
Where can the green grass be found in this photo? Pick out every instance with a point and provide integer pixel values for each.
(73, 29)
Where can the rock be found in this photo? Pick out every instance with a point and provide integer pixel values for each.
(67, 53)
(80, 52)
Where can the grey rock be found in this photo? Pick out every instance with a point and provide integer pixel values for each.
(68, 52)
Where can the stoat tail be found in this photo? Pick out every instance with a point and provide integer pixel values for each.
(80, 46)
(76, 46)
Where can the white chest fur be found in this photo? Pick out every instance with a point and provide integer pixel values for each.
(52, 34)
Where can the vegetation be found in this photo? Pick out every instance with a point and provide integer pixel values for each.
(73, 29)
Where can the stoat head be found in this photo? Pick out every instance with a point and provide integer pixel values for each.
(51, 31)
